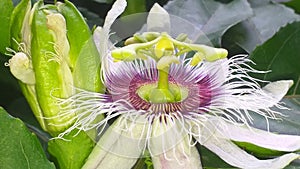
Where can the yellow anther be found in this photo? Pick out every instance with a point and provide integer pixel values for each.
(123, 54)
(197, 58)
(182, 37)
(215, 54)
(141, 55)
(151, 35)
(140, 38)
(130, 40)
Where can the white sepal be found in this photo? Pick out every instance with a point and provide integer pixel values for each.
(116, 10)
(180, 156)
(237, 157)
(158, 20)
(120, 146)
(218, 136)
(261, 138)
(278, 89)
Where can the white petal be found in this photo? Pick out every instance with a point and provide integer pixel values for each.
(278, 89)
(116, 10)
(217, 136)
(120, 146)
(165, 135)
(237, 157)
(158, 20)
(57, 23)
(98, 39)
(260, 138)
(179, 157)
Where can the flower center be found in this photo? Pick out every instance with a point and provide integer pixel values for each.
(150, 93)
(164, 94)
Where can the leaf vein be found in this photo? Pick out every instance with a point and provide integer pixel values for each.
(296, 86)
(23, 151)
(279, 50)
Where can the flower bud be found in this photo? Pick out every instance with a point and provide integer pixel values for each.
(54, 51)
(53, 76)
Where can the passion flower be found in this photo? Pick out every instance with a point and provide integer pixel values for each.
(165, 94)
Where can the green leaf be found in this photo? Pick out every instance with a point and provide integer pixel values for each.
(72, 152)
(289, 123)
(19, 147)
(258, 151)
(280, 54)
(9, 86)
(211, 17)
(295, 4)
(6, 8)
(262, 26)
(92, 18)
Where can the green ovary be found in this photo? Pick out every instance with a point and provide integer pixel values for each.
(151, 93)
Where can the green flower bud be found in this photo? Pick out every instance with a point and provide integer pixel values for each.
(53, 77)
(53, 52)
(19, 16)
